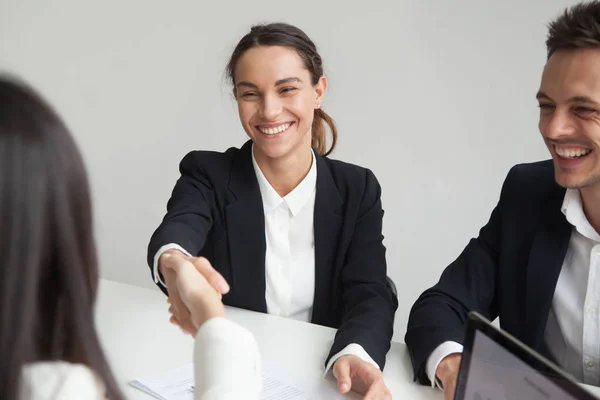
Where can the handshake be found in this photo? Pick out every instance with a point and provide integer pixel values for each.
(195, 290)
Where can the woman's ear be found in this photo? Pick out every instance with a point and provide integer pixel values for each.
(320, 89)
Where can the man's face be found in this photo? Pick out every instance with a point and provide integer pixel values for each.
(569, 99)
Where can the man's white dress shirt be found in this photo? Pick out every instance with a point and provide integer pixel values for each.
(573, 329)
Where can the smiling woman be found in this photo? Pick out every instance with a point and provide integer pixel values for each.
(291, 231)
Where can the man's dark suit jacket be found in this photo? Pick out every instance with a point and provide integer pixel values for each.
(510, 271)
(216, 211)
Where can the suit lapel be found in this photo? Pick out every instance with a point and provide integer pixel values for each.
(246, 234)
(327, 224)
(547, 255)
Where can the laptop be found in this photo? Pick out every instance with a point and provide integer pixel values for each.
(497, 366)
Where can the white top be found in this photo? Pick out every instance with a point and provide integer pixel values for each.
(226, 362)
(573, 329)
(224, 352)
(290, 255)
(290, 252)
(61, 381)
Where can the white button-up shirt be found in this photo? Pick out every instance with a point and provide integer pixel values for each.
(290, 253)
(573, 330)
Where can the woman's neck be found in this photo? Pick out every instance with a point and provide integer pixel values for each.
(285, 173)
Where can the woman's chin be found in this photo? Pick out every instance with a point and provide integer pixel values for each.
(271, 150)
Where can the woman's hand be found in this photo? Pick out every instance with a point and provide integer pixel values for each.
(194, 288)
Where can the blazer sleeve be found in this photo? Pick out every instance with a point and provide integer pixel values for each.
(368, 303)
(467, 284)
(188, 220)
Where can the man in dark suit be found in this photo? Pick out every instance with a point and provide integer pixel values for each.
(536, 264)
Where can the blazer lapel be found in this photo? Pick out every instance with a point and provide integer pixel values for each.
(548, 252)
(327, 224)
(246, 234)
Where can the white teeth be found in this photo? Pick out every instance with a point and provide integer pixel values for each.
(273, 131)
(571, 152)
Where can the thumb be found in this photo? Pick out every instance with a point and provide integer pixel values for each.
(341, 370)
(215, 279)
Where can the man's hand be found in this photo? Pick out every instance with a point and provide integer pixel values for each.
(353, 373)
(170, 264)
(447, 372)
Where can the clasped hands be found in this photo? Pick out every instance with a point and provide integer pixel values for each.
(195, 290)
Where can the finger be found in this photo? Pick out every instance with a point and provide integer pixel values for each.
(449, 390)
(189, 330)
(184, 319)
(177, 307)
(215, 279)
(186, 324)
(377, 391)
(341, 370)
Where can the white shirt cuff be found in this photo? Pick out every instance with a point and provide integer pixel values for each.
(436, 356)
(155, 274)
(227, 362)
(351, 349)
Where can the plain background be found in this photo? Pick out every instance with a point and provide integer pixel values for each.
(437, 97)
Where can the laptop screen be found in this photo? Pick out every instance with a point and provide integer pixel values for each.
(496, 374)
(496, 366)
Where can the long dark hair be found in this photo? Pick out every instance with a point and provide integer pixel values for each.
(48, 271)
(280, 34)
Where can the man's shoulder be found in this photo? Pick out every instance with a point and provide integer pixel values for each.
(530, 186)
(540, 174)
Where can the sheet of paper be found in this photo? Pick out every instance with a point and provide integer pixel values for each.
(178, 384)
(175, 384)
(316, 388)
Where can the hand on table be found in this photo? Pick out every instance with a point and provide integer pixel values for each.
(353, 373)
(194, 288)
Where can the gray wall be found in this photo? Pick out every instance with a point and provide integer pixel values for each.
(437, 97)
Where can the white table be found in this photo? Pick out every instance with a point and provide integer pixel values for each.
(134, 327)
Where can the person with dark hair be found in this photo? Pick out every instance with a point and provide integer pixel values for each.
(535, 264)
(48, 344)
(276, 225)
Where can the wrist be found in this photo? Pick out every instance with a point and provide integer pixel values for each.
(448, 367)
(201, 311)
(164, 256)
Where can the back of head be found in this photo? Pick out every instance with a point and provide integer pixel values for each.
(48, 275)
(578, 27)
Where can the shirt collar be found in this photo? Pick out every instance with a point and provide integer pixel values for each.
(573, 211)
(296, 199)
